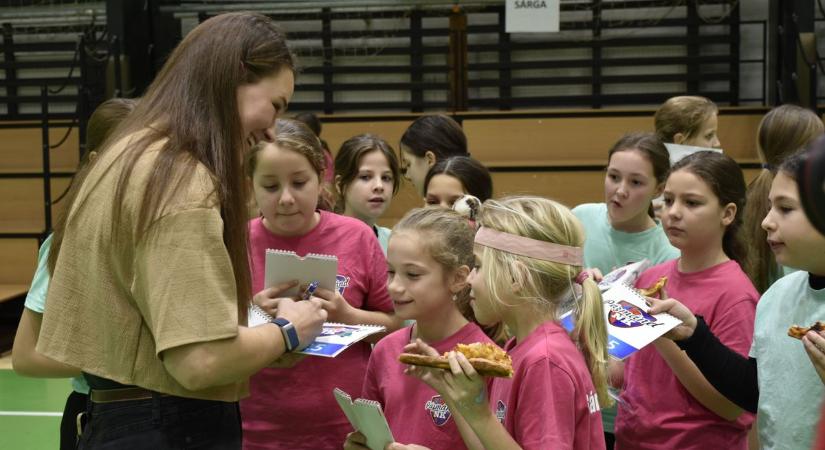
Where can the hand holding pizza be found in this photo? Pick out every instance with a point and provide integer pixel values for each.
(461, 386)
(814, 342)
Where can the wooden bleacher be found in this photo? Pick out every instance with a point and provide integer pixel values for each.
(555, 153)
(559, 154)
(21, 193)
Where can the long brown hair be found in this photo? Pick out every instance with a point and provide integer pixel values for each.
(474, 177)
(437, 133)
(649, 145)
(784, 130)
(348, 163)
(724, 177)
(192, 105)
(102, 123)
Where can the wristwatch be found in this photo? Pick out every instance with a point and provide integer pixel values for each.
(289, 332)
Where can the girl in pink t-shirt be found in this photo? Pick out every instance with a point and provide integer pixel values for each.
(429, 257)
(667, 403)
(293, 408)
(528, 256)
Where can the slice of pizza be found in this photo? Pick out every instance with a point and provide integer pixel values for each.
(798, 332)
(487, 359)
(654, 290)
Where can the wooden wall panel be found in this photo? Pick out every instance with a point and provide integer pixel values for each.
(19, 260)
(21, 150)
(336, 133)
(23, 209)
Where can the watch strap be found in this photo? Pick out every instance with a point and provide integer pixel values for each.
(290, 333)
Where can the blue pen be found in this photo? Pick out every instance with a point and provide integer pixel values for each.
(310, 290)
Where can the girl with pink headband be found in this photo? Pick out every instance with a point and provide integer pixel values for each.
(527, 256)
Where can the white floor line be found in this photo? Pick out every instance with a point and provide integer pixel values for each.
(31, 413)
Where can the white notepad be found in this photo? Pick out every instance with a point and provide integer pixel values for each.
(334, 337)
(629, 326)
(367, 417)
(282, 266)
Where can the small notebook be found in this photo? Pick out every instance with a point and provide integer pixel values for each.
(282, 265)
(367, 417)
(334, 338)
(629, 326)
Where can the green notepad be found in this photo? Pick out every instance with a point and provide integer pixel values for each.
(367, 417)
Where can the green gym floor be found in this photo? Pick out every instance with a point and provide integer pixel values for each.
(30, 410)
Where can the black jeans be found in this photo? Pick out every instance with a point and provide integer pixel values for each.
(162, 422)
(75, 404)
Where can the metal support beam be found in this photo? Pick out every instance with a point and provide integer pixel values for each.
(792, 52)
(458, 60)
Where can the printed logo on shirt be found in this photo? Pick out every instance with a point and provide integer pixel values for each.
(627, 315)
(438, 410)
(593, 402)
(341, 283)
(501, 411)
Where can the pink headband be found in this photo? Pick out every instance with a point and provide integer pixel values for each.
(532, 248)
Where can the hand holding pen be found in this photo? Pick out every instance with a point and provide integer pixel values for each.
(309, 290)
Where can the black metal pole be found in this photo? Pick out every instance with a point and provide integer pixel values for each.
(47, 182)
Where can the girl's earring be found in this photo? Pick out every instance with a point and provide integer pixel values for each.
(455, 297)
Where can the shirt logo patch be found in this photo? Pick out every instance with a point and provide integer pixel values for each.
(438, 410)
(627, 315)
(593, 402)
(501, 411)
(341, 283)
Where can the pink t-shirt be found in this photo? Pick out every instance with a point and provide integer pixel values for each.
(550, 403)
(657, 412)
(294, 408)
(415, 412)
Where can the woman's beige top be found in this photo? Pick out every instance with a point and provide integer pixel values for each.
(115, 305)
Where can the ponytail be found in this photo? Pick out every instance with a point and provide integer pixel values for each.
(591, 335)
(759, 263)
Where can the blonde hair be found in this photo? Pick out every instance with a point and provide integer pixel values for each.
(784, 130)
(684, 114)
(449, 241)
(545, 284)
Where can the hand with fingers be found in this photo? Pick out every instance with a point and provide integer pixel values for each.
(677, 310)
(356, 441)
(307, 317)
(397, 446)
(268, 298)
(814, 343)
(337, 307)
(462, 387)
(594, 273)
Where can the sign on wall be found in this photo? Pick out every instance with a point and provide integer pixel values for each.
(532, 16)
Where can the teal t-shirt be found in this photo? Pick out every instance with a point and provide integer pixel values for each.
(383, 237)
(36, 298)
(606, 248)
(790, 391)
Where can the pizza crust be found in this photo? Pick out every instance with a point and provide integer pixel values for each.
(798, 332)
(501, 366)
(654, 290)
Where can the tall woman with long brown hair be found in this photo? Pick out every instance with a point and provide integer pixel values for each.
(150, 277)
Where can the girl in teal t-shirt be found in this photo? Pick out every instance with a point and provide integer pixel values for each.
(622, 229)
